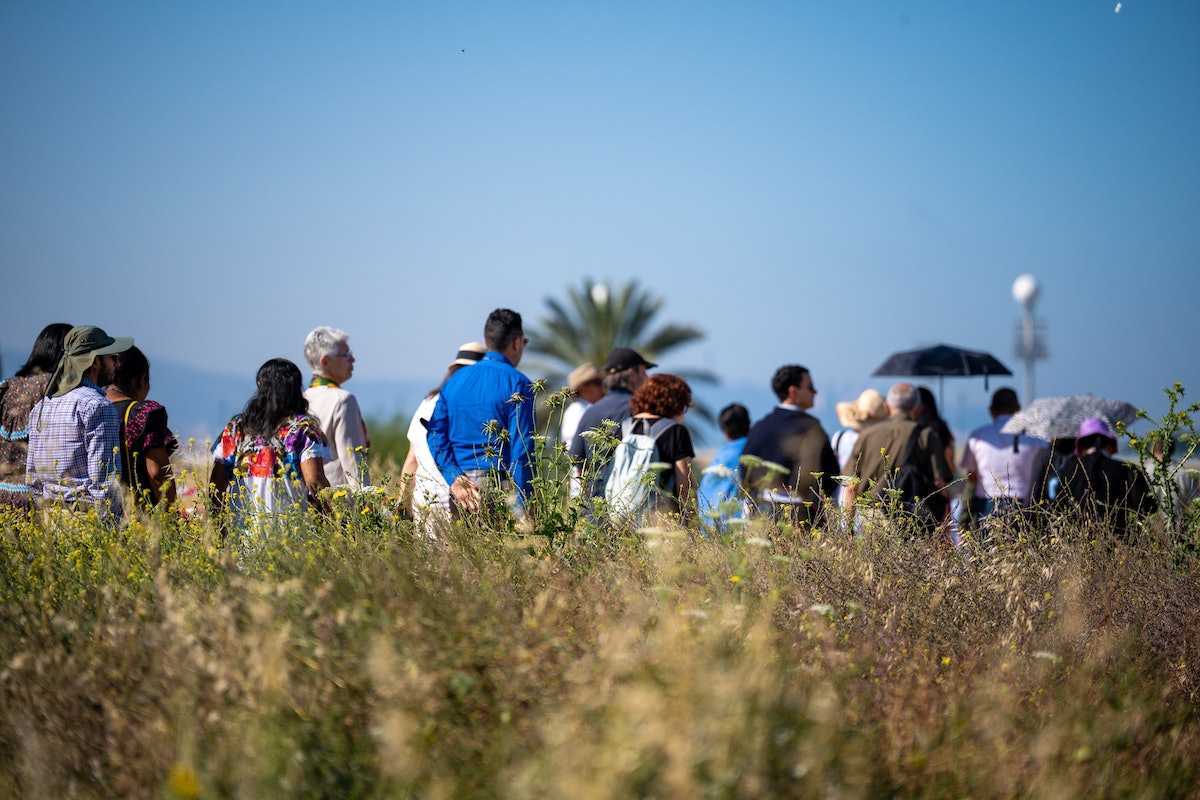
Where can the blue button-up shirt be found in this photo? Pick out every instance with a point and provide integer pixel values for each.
(491, 391)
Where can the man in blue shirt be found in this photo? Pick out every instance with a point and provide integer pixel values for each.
(482, 425)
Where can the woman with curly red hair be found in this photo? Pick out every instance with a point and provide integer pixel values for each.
(665, 396)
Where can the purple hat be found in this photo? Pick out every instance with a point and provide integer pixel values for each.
(1091, 427)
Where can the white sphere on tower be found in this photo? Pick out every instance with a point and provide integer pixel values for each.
(599, 294)
(1025, 290)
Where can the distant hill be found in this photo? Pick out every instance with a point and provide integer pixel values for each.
(199, 402)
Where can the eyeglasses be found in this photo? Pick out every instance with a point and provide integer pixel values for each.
(346, 354)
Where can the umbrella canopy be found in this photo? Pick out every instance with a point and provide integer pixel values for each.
(1059, 417)
(942, 360)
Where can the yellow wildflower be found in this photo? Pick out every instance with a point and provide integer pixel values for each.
(182, 782)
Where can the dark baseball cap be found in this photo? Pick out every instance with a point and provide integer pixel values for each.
(623, 358)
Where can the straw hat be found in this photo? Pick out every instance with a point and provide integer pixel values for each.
(468, 354)
(866, 409)
(584, 373)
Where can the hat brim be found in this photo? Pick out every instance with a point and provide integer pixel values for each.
(615, 368)
(119, 345)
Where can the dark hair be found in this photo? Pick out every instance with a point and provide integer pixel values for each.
(1094, 440)
(929, 416)
(134, 365)
(280, 394)
(503, 325)
(453, 369)
(662, 395)
(1004, 401)
(47, 350)
(1063, 444)
(786, 376)
(734, 420)
(929, 409)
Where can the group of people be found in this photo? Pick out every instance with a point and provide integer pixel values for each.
(79, 432)
(77, 424)
(899, 450)
(896, 448)
(473, 435)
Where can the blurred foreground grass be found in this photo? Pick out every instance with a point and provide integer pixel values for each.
(352, 657)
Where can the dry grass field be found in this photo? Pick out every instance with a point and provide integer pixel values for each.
(350, 656)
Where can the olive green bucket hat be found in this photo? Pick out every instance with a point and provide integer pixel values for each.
(80, 348)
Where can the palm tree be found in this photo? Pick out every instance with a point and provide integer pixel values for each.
(595, 319)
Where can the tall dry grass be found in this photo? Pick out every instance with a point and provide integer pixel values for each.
(353, 657)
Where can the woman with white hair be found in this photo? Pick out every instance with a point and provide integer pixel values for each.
(327, 351)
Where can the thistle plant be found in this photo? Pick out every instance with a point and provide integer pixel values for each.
(1176, 426)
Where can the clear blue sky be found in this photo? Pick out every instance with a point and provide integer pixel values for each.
(809, 181)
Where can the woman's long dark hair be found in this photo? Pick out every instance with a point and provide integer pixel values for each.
(453, 369)
(134, 366)
(929, 409)
(280, 394)
(47, 350)
(931, 417)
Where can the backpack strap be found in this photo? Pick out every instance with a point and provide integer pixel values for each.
(128, 445)
(129, 411)
(910, 446)
(657, 428)
(661, 426)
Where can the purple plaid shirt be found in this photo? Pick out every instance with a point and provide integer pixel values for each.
(74, 449)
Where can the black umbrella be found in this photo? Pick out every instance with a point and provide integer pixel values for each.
(942, 360)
